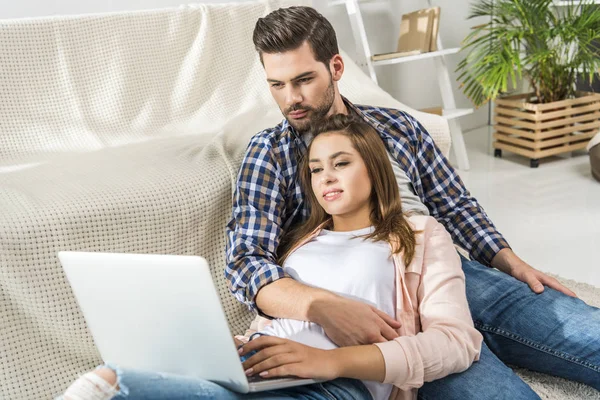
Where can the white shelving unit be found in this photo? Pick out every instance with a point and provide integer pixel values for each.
(564, 3)
(450, 112)
(415, 57)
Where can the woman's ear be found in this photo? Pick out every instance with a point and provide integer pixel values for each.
(336, 67)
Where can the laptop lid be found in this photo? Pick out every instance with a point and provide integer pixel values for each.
(155, 313)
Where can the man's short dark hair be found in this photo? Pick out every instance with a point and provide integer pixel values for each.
(287, 29)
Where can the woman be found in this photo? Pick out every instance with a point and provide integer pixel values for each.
(356, 243)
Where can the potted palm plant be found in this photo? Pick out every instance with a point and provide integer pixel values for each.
(549, 45)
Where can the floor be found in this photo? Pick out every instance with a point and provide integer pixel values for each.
(550, 215)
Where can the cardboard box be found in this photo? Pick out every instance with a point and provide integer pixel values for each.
(418, 34)
(432, 110)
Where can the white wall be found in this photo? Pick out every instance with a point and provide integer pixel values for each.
(412, 83)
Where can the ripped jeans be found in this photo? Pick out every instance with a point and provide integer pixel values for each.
(143, 385)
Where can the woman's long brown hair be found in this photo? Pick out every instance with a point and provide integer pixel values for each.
(386, 207)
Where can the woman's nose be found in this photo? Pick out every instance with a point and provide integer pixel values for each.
(327, 179)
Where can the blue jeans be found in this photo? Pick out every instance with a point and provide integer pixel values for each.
(142, 385)
(145, 385)
(549, 332)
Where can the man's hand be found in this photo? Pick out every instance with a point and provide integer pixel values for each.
(350, 323)
(508, 262)
(279, 357)
(346, 322)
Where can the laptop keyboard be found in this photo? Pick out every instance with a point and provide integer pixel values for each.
(257, 378)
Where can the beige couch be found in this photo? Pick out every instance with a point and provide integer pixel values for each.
(122, 133)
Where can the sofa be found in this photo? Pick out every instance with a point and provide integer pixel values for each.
(123, 132)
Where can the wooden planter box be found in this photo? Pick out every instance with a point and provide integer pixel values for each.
(542, 130)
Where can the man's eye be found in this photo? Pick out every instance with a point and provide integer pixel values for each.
(276, 85)
(304, 80)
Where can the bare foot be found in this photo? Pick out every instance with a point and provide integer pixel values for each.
(108, 375)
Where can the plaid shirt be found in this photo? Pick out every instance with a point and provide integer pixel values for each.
(268, 197)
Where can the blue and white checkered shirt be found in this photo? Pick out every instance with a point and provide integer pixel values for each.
(268, 197)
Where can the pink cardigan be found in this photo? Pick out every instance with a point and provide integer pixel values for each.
(437, 337)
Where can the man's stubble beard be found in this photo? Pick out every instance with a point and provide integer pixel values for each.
(317, 114)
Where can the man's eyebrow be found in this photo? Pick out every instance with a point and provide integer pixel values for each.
(303, 75)
(331, 157)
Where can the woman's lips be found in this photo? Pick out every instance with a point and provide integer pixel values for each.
(331, 196)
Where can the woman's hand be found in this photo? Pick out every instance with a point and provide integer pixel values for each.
(279, 357)
(237, 342)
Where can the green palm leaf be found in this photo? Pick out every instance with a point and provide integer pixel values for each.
(533, 40)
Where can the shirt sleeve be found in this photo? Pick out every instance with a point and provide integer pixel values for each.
(254, 230)
(451, 203)
(448, 343)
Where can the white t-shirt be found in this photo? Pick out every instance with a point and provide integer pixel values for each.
(347, 265)
(411, 203)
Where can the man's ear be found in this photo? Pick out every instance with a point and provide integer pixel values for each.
(336, 67)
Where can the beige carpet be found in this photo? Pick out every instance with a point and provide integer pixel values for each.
(549, 387)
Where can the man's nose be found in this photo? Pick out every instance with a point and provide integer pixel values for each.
(293, 96)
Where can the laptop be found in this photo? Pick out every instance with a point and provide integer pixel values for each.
(160, 313)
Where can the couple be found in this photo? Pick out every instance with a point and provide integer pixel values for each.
(367, 290)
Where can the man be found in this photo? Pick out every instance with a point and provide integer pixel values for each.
(523, 323)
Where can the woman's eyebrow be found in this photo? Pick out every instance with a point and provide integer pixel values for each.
(331, 157)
